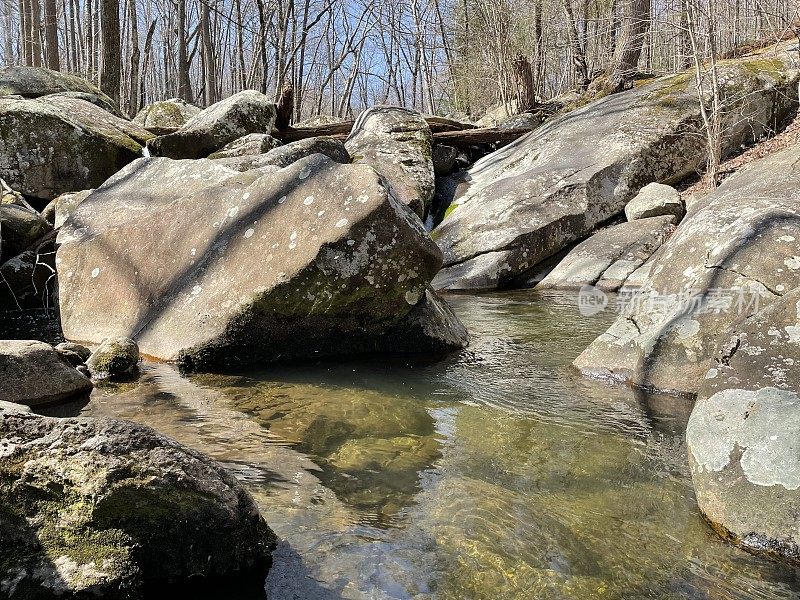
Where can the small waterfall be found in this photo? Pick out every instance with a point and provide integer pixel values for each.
(145, 151)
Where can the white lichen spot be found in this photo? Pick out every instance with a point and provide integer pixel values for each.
(95, 272)
(282, 199)
(711, 373)
(309, 200)
(196, 290)
(249, 233)
(793, 263)
(232, 212)
(341, 223)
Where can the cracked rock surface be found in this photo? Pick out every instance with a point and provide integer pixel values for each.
(744, 433)
(527, 201)
(736, 252)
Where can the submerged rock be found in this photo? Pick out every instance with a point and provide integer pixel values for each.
(283, 156)
(219, 124)
(610, 256)
(52, 145)
(166, 116)
(100, 507)
(551, 188)
(734, 253)
(398, 143)
(34, 373)
(206, 266)
(114, 358)
(744, 433)
(248, 145)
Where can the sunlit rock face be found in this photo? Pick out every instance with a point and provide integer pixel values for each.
(398, 143)
(208, 266)
(220, 124)
(166, 116)
(744, 432)
(734, 253)
(522, 204)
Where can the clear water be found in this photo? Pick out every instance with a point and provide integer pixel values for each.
(497, 473)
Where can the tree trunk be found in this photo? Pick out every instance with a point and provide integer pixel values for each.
(110, 64)
(51, 35)
(578, 51)
(526, 89)
(133, 75)
(35, 33)
(636, 22)
(183, 61)
(209, 66)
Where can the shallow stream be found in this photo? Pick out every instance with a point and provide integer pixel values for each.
(497, 473)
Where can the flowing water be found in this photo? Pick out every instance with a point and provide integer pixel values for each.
(497, 473)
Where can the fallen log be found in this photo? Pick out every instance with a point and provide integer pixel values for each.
(445, 131)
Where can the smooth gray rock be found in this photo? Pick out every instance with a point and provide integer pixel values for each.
(210, 130)
(166, 116)
(249, 145)
(744, 433)
(398, 143)
(207, 266)
(116, 357)
(283, 156)
(655, 200)
(551, 188)
(34, 374)
(103, 508)
(610, 256)
(57, 144)
(733, 254)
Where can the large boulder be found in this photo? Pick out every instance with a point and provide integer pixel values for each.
(106, 508)
(35, 82)
(219, 124)
(398, 143)
(283, 156)
(207, 266)
(57, 144)
(34, 373)
(736, 251)
(551, 188)
(655, 200)
(166, 116)
(610, 256)
(252, 144)
(744, 433)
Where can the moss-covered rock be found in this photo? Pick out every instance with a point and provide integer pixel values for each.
(35, 82)
(398, 143)
(58, 144)
(116, 357)
(220, 124)
(106, 507)
(166, 116)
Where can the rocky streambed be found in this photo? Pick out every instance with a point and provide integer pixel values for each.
(212, 337)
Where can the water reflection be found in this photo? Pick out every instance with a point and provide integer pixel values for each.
(497, 473)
